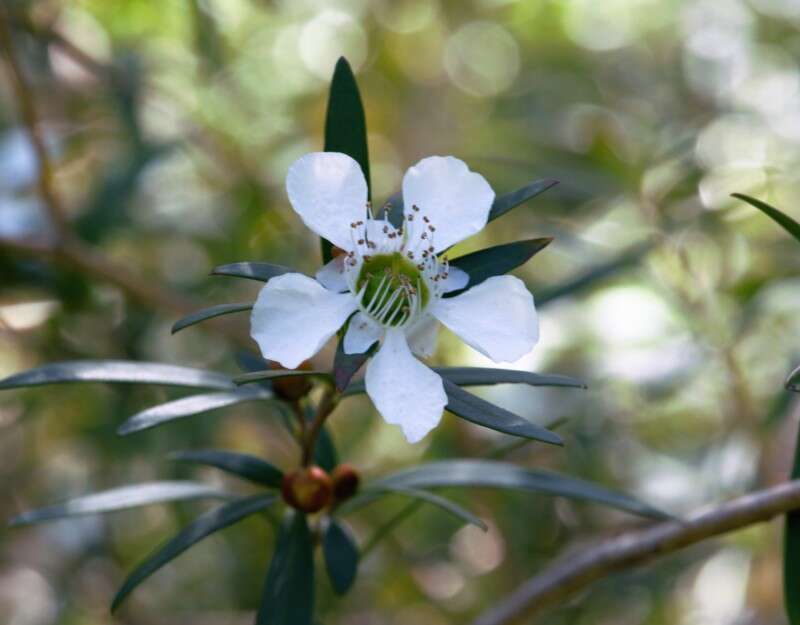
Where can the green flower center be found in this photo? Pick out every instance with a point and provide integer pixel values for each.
(394, 288)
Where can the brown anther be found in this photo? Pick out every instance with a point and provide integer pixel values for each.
(415, 208)
(361, 241)
(425, 219)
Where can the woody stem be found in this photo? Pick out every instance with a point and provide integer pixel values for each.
(326, 406)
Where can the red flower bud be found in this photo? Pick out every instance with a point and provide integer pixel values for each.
(345, 482)
(308, 489)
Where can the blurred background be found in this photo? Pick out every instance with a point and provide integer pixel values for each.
(170, 126)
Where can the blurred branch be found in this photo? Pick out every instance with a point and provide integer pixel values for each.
(576, 571)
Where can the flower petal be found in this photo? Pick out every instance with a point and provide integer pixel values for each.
(361, 334)
(294, 316)
(456, 279)
(496, 317)
(422, 336)
(328, 191)
(405, 392)
(331, 276)
(455, 200)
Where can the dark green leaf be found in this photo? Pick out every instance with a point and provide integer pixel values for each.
(121, 498)
(791, 552)
(121, 371)
(793, 381)
(188, 406)
(204, 525)
(272, 374)
(494, 474)
(262, 272)
(325, 454)
(345, 366)
(208, 313)
(288, 597)
(484, 376)
(497, 260)
(242, 465)
(506, 202)
(481, 412)
(341, 556)
(345, 126)
(781, 218)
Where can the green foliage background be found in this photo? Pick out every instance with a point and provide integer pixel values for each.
(677, 304)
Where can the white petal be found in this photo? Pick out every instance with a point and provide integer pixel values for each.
(496, 317)
(456, 279)
(456, 200)
(361, 334)
(294, 316)
(422, 336)
(331, 276)
(328, 191)
(405, 392)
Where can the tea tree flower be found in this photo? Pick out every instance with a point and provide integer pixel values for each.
(389, 285)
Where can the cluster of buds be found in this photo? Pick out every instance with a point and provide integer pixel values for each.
(311, 489)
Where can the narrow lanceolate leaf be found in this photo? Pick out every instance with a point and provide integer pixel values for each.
(288, 597)
(262, 272)
(120, 499)
(189, 406)
(791, 552)
(209, 313)
(506, 202)
(779, 217)
(121, 371)
(481, 412)
(204, 525)
(273, 374)
(494, 474)
(345, 366)
(484, 376)
(793, 381)
(341, 556)
(346, 126)
(497, 260)
(242, 465)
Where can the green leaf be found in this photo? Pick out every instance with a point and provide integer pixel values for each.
(346, 126)
(495, 474)
(120, 371)
(481, 412)
(506, 202)
(497, 260)
(782, 219)
(262, 272)
(288, 596)
(204, 525)
(188, 406)
(272, 374)
(325, 454)
(242, 465)
(345, 366)
(793, 381)
(121, 498)
(341, 556)
(484, 376)
(208, 313)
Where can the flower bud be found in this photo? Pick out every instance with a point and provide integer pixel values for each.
(308, 489)
(345, 482)
(293, 388)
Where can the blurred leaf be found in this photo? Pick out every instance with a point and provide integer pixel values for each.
(791, 552)
(325, 454)
(497, 260)
(262, 272)
(208, 313)
(121, 498)
(204, 525)
(782, 219)
(345, 366)
(119, 371)
(242, 465)
(346, 127)
(793, 381)
(341, 556)
(506, 202)
(272, 374)
(188, 406)
(288, 597)
(484, 376)
(494, 474)
(481, 412)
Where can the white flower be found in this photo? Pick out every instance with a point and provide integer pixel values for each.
(389, 283)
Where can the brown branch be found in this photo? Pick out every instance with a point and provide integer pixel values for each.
(577, 571)
(327, 404)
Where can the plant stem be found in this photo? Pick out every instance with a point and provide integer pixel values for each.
(326, 406)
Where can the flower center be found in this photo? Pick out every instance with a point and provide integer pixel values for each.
(393, 289)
